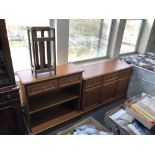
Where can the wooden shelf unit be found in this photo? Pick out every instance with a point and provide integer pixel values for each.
(51, 100)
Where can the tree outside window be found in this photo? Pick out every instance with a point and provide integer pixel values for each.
(88, 38)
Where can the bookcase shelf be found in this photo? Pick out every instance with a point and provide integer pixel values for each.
(54, 121)
(45, 101)
(51, 100)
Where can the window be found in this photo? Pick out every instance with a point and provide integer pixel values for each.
(131, 36)
(88, 38)
(18, 41)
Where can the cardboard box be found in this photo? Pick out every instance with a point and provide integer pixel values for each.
(112, 125)
(117, 129)
(89, 120)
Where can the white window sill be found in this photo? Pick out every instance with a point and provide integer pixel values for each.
(92, 61)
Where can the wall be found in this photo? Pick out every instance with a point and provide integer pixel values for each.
(145, 41)
(62, 37)
(151, 41)
(113, 37)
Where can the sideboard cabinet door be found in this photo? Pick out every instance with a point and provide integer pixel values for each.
(109, 91)
(122, 86)
(92, 96)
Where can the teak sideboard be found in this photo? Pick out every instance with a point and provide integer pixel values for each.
(74, 91)
(51, 100)
(104, 82)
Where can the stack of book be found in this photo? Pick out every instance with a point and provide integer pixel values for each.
(142, 109)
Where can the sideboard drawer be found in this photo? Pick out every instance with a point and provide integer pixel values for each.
(38, 88)
(93, 82)
(126, 72)
(111, 77)
(69, 80)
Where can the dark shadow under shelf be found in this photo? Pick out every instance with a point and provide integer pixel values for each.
(48, 101)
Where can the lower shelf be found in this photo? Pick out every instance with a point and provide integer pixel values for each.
(52, 118)
(49, 118)
(54, 122)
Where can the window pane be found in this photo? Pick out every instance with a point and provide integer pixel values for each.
(130, 37)
(17, 35)
(88, 38)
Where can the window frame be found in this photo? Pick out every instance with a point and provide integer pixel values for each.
(95, 58)
(138, 38)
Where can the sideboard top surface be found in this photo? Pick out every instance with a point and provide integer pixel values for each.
(89, 71)
(103, 68)
(27, 77)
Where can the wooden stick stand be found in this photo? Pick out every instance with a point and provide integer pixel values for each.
(42, 49)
